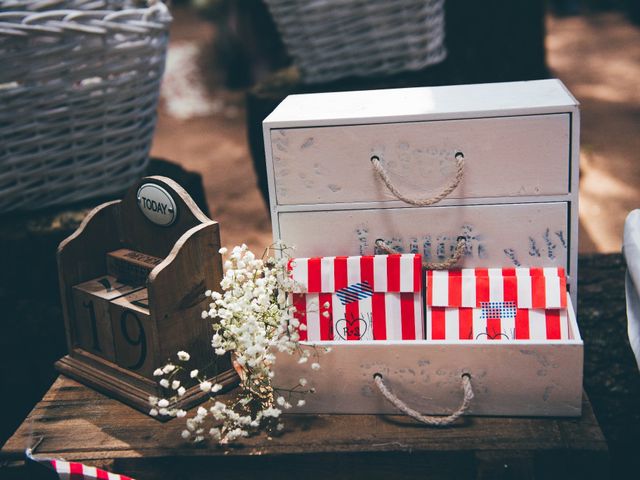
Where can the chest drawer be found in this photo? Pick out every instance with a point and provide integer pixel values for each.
(509, 156)
(540, 239)
(526, 378)
(514, 202)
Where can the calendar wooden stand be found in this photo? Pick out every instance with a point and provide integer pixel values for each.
(117, 332)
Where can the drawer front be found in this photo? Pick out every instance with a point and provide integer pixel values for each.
(504, 157)
(540, 379)
(528, 235)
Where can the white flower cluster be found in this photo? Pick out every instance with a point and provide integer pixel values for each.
(253, 314)
(252, 318)
(160, 406)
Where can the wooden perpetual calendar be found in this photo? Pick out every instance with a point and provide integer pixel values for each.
(132, 283)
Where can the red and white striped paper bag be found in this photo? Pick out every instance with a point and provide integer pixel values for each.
(377, 297)
(497, 304)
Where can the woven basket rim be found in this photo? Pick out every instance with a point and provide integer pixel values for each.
(65, 21)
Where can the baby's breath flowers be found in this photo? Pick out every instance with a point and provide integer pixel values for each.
(251, 318)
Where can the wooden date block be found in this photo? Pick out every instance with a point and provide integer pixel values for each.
(165, 249)
(133, 332)
(91, 299)
(131, 266)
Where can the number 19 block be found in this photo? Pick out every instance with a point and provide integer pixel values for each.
(133, 332)
(93, 331)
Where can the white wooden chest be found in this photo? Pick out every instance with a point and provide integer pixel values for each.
(516, 204)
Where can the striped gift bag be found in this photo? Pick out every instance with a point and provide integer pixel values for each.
(497, 304)
(377, 297)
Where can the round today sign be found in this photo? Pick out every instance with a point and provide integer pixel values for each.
(157, 204)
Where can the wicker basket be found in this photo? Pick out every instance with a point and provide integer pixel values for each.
(331, 39)
(79, 85)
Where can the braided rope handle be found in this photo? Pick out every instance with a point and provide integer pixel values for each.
(429, 420)
(450, 262)
(420, 202)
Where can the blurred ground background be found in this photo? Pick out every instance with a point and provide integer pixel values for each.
(598, 56)
(596, 53)
(213, 139)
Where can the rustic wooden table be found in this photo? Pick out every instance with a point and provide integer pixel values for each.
(77, 423)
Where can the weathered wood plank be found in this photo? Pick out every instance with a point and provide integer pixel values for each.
(80, 424)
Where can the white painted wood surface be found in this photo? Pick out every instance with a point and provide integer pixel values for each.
(504, 157)
(423, 103)
(518, 205)
(574, 228)
(528, 235)
(344, 113)
(514, 377)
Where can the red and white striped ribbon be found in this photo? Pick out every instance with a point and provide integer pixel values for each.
(69, 470)
(79, 471)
